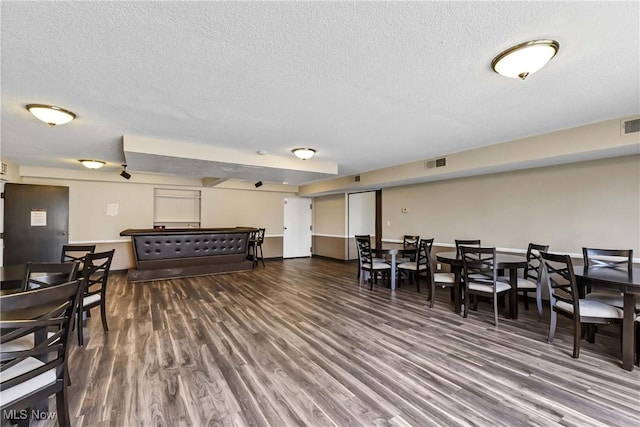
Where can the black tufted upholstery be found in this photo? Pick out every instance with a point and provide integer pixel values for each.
(159, 247)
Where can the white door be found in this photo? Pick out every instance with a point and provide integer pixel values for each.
(297, 228)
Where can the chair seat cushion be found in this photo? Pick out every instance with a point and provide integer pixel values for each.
(17, 392)
(522, 282)
(377, 266)
(589, 308)
(22, 343)
(479, 287)
(444, 278)
(412, 265)
(614, 299)
(90, 299)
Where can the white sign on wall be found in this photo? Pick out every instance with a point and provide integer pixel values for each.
(38, 218)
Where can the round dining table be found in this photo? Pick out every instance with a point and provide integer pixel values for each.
(503, 262)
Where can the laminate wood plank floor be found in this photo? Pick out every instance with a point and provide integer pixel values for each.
(299, 343)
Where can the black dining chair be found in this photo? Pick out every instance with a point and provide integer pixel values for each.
(367, 263)
(421, 265)
(31, 375)
(531, 281)
(481, 277)
(565, 300)
(408, 242)
(608, 258)
(95, 278)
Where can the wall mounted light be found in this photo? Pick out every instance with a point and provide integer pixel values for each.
(304, 153)
(50, 114)
(524, 59)
(124, 173)
(92, 164)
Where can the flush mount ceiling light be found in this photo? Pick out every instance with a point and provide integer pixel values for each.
(51, 115)
(304, 153)
(525, 59)
(92, 164)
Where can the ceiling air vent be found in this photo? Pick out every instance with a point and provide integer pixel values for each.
(630, 126)
(436, 163)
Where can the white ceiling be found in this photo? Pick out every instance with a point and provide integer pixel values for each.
(369, 85)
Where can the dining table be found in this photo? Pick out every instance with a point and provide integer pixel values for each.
(393, 250)
(627, 282)
(503, 262)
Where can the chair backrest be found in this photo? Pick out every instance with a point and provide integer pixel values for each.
(534, 263)
(76, 253)
(471, 243)
(260, 235)
(424, 254)
(608, 258)
(561, 280)
(479, 265)
(37, 312)
(96, 273)
(410, 242)
(45, 274)
(363, 244)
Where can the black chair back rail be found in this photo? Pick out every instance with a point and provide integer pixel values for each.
(608, 258)
(95, 279)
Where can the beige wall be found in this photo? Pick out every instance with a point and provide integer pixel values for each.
(89, 222)
(330, 226)
(594, 141)
(594, 203)
(330, 215)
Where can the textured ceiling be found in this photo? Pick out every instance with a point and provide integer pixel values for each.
(368, 85)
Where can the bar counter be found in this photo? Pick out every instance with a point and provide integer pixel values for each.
(184, 252)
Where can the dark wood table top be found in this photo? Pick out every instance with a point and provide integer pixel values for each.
(503, 260)
(627, 280)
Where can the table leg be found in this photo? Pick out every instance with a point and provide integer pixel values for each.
(628, 331)
(513, 299)
(393, 271)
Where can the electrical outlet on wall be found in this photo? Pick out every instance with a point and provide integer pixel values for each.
(438, 266)
(388, 223)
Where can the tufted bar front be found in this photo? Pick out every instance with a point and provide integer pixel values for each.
(173, 253)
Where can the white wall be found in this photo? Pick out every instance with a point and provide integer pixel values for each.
(362, 213)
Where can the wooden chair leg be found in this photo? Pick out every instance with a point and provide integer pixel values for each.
(526, 300)
(576, 339)
(552, 326)
(103, 316)
(79, 326)
(62, 407)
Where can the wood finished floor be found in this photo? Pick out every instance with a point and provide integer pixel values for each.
(299, 343)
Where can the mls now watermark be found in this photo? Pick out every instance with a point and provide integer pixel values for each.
(25, 414)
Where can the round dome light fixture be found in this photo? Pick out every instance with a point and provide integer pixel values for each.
(92, 164)
(522, 60)
(304, 153)
(50, 114)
